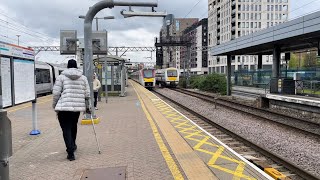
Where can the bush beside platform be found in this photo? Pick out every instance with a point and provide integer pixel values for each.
(215, 83)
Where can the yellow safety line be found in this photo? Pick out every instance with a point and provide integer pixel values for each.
(193, 133)
(164, 150)
(23, 107)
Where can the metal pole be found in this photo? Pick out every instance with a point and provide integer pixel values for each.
(188, 65)
(97, 69)
(112, 78)
(184, 70)
(88, 66)
(112, 73)
(106, 78)
(35, 130)
(123, 78)
(18, 39)
(229, 75)
(276, 62)
(97, 24)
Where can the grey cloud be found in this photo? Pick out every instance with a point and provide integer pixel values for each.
(49, 16)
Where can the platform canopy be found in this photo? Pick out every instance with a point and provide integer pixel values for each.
(110, 59)
(301, 33)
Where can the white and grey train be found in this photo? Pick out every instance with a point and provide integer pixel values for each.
(168, 77)
(46, 75)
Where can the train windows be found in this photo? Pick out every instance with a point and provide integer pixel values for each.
(172, 73)
(148, 73)
(43, 76)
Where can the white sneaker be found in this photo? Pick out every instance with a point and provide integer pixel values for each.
(96, 108)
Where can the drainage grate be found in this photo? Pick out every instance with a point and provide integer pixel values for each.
(112, 173)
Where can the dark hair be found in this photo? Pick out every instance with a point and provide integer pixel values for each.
(72, 63)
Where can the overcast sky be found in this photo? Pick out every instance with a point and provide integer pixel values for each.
(39, 22)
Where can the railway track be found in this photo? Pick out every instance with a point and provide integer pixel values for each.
(250, 150)
(245, 94)
(283, 119)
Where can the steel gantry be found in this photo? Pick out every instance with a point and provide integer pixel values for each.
(38, 49)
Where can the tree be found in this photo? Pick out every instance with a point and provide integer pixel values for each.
(296, 61)
(310, 59)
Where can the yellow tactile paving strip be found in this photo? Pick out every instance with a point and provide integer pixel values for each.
(177, 175)
(221, 161)
(191, 164)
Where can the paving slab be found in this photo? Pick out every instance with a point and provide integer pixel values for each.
(124, 132)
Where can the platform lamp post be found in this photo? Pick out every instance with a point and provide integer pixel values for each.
(105, 63)
(88, 50)
(18, 39)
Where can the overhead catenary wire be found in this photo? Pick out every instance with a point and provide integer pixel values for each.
(12, 40)
(18, 27)
(17, 22)
(192, 8)
(17, 30)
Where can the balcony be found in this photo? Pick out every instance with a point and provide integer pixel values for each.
(233, 28)
(233, 20)
(233, 3)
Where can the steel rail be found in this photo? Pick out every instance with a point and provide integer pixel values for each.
(286, 163)
(312, 127)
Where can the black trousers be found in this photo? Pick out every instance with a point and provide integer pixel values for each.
(68, 122)
(95, 95)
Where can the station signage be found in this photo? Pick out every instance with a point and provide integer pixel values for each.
(16, 51)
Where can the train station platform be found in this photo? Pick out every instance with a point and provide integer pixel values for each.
(141, 137)
(307, 101)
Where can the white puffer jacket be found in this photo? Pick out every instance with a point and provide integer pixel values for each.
(70, 91)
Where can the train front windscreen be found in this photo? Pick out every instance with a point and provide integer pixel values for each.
(148, 73)
(172, 73)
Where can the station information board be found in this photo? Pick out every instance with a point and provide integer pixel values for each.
(6, 82)
(17, 74)
(24, 89)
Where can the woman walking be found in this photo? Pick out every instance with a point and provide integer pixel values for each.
(96, 87)
(71, 95)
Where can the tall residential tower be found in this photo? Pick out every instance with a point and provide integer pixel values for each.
(230, 19)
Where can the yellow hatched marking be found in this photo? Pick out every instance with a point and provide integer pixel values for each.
(193, 133)
(175, 119)
(167, 112)
(172, 115)
(163, 148)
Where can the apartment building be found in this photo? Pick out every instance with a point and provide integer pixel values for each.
(171, 55)
(198, 36)
(229, 19)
